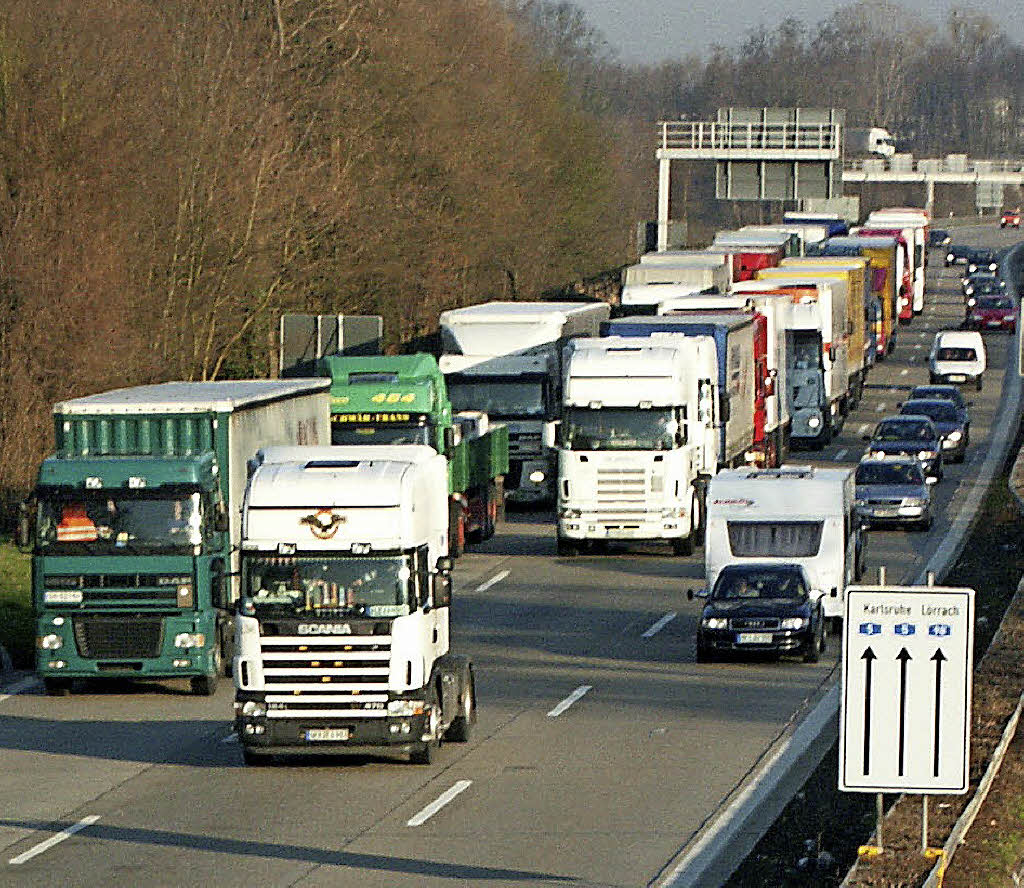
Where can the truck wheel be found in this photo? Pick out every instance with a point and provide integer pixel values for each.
(683, 546)
(206, 685)
(456, 530)
(566, 548)
(423, 753)
(977, 384)
(462, 725)
(256, 759)
(57, 687)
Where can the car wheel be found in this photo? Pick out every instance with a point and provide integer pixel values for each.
(926, 524)
(813, 652)
(977, 384)
(704, 654)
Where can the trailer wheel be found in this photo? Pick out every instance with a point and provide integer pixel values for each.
(462, 725)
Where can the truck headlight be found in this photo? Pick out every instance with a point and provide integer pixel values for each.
(714, 622)
(253, 709)
(814, 422)
(793, 623)
(405, 708)
(49, 642)
(189, 640)
(537, 477)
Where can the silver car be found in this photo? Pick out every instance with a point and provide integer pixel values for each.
(893, 490)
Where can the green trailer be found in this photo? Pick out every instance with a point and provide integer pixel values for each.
(402, 399)
(135, 524)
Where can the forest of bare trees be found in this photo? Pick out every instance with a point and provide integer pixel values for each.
(177, 174)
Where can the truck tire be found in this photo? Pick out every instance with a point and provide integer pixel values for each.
(423, 753)
(57, 687)
(206, 685)
(461, 727)
(683, 546)
(256, 759)
(456, 530)
(565, 547)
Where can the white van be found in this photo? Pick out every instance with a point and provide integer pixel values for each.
(791, 515)
(957, 356)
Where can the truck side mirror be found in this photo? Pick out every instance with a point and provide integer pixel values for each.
(23, 538)
(220, 518)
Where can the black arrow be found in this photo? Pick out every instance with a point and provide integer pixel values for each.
(938, 657)
(903, 656)
(869, 657)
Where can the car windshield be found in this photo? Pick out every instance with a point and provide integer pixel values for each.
(951, 353)
(883, 473)
(117, 522)
(759, 584)
(903, 431)
(361, 586)
(943, 411)
(616, 428)
(1002, 302)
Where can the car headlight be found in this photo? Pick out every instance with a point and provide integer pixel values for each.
(972, 267)
(993, 266)
(954, 436)
(253, 709)
(405, 708)
(926, 454)
(49, 642)
(914, 501)
(793, 623)
(814, 422)
(950, 257)
(537, 476)
(714, 622)
(189, 640)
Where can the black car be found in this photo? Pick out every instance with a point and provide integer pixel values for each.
(982, 260)
(910, 435)
(958, 254)
(946, 419)
(938, 237)
(761, 608)
(945, 393)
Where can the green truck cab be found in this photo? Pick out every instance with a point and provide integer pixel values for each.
(135, 523)
(402, 399)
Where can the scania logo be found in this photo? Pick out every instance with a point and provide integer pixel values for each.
(323, 524)
(325, 629)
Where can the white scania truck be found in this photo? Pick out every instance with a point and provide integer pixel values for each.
(342, 637)
(505, 359)
(638, 440)
(792, 515)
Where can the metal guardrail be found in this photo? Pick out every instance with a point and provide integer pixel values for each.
(712, 136)
(934, 165)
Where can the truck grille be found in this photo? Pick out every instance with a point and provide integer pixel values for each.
(617, 486)
(127, 637)
(116, 590)
(326, 676)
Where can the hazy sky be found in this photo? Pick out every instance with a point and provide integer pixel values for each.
(656, 30)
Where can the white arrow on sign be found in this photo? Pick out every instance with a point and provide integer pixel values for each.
(905, 716)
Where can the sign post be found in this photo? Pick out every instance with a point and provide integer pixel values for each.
(906, 702)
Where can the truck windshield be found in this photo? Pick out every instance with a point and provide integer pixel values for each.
(775, 539)
(107, 522)
(396, 433)
(619, 428)
(356, 585)
(806, 350)
(498, 398)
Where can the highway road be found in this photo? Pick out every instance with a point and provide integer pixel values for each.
(601, 748)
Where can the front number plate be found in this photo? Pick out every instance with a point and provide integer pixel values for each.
(957, 377)
(754, 638)
(321, 735)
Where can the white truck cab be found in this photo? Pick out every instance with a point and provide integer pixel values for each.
(637, 441)
(791, 515)
(342, 632)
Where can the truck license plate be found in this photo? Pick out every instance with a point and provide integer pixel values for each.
(314, 735)
(957, 377)
(754, 638)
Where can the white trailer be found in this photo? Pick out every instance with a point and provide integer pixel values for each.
(777, 309)
(806, 234)
(505, 359)
(638, 440)
(793, 515)
(342, 634)
(913, 225)
(868, 140)
(707, 272)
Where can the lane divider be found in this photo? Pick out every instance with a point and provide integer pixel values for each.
(19, 687)
(568, 701)
(840, 454)
(46, 845)
(493, 581)
(659, 625)
(438, 803)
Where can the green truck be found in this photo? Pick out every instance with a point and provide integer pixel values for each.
(135, 524)
(403, 399)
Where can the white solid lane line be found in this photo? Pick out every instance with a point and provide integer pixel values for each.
(493, 581)
(36, 850)
(904, 371)
(231, 738)
(864, 428)
(880, 408)
(439, 802)
(568, 701)
(24, 684)
(658, 626)
(840, 454)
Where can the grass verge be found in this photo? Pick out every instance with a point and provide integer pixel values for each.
(16, 622)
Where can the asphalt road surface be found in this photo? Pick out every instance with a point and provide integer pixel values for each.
(601, 746)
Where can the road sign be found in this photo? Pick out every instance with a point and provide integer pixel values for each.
(904, 724)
